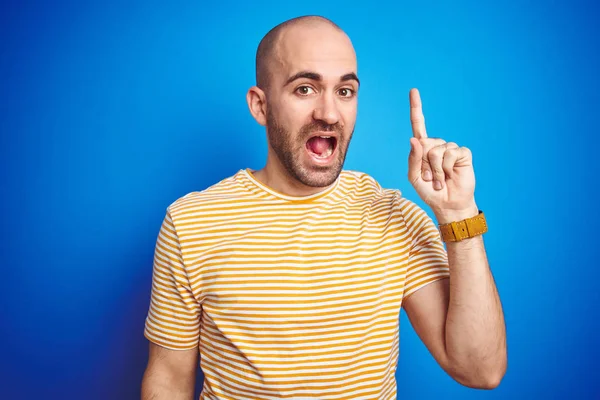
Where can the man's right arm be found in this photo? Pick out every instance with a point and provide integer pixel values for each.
(170, 374)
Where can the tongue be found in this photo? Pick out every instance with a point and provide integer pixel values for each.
(318, 145)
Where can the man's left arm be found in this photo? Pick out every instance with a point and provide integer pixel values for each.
(459, 319)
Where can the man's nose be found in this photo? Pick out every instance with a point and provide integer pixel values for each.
(326, 109)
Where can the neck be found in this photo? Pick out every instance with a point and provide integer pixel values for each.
(275, 176)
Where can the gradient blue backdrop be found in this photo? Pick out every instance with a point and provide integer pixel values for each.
(109, 111)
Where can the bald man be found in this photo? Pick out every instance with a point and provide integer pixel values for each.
(287, 281)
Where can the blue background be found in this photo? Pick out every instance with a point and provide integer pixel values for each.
(109, 111)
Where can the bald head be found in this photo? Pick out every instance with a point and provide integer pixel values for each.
(268, 49)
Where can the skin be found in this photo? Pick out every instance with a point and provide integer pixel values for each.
(459, 319)
(292, 111)
(170, 374)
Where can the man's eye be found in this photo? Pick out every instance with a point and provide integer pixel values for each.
(345, 92)
(304, 90)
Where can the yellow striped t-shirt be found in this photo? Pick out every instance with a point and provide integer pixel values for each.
(291, 297)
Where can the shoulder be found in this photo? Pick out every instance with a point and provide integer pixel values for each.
(214, 197)
(365, 185)
(353, 180)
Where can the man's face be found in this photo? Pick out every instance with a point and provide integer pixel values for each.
(312, 103)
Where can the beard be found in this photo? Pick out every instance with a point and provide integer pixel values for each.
(290, 148)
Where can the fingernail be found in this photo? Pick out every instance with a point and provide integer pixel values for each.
(427, 175)
(437, 185)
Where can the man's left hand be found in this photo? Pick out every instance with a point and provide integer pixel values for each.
(441, 173)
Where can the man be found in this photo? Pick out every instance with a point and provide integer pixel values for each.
(288, 280)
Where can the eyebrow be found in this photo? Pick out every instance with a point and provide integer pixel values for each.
(317, 77)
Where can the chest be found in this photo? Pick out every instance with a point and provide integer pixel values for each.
(291, 259)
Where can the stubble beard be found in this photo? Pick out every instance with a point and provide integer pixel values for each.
(290, 151)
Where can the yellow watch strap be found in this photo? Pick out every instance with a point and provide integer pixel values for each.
(467, 228)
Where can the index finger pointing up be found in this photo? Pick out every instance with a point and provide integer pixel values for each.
(417, 119)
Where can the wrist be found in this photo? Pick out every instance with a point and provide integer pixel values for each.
(446, 216)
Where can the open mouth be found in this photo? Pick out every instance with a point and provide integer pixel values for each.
(321, 147)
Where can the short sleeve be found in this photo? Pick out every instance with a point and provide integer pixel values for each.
(173, 319)
(427, 258)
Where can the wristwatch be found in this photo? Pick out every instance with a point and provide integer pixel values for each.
(467, 228)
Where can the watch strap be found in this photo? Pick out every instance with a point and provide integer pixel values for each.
(467, 228)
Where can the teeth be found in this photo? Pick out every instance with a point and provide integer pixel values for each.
(326, 154)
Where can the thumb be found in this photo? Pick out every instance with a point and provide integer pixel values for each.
(415, 161)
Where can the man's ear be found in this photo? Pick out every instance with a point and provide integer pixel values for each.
(257, 103)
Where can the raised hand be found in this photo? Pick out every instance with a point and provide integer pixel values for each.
(441, 173)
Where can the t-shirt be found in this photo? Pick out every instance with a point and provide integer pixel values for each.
(291, 297)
